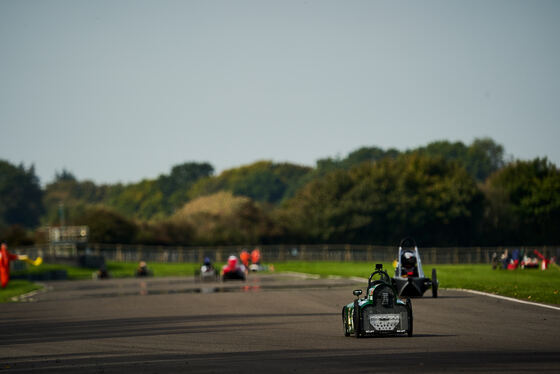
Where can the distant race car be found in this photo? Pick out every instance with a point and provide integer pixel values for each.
(381, 312)
(409, 279)
(233, 270)
(207, 272)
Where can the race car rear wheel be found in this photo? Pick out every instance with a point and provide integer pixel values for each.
(357, 324)
(409, 307)
(434, 283)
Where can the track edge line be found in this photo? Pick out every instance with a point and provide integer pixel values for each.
(503, 297)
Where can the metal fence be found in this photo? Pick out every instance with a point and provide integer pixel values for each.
(276, 253)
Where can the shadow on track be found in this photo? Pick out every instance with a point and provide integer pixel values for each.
(314, 361)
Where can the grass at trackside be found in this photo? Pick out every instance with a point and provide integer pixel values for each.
(526, 284)
(117, 269)
(74, 272)
(17, 287)
(128, 269)
(325, 268)
(532, 285)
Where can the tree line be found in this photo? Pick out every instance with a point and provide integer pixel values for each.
(444, 193)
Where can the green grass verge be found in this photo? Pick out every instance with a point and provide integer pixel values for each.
(17, 287)
(128, 269)
(533, 285)
(116, 270)
(74, 272)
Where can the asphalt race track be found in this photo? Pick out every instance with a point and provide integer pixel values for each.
(271, 323)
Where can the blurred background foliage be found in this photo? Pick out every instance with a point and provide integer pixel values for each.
(444, 193)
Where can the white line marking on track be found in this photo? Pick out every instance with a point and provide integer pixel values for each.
(29, 295)
(301, 275)
(358, 279)
(504, 298)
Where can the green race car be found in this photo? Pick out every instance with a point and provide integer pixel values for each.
(381, 312)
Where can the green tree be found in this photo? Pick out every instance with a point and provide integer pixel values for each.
(16, 235)
(72, 196)
(430, 198)
(107, 226)
(176, 185)
(142, 200)
(223, 218)
(262, 181)
(165, 232)
(484, 157)
(64, 175)
(147, 199)
(524, 203)
(20, 195)
(480, 159)
(354, 158)
(367, 154)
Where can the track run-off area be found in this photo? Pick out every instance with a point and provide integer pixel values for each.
(270, 323)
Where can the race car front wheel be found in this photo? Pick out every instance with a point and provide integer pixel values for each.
(345, 321)
(356, 315)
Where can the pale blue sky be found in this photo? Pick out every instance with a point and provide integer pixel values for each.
(123, 90)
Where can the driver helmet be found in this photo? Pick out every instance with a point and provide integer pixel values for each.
(409, 258)
(232, 261)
